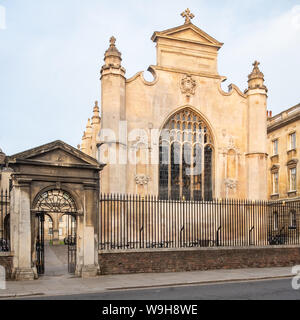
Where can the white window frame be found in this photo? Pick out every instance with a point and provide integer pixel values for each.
(292, 141)
(275, 185)
(275, 150)
(293, 187)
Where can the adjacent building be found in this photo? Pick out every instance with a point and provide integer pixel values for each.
(283, 149)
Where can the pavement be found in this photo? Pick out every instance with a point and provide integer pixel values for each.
(57, 281)
(68, 285)
(275, 289)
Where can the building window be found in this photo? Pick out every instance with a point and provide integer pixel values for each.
(293, 141)
(60, 232)
(275, 221)
(293, 219)
(186, 158)
(50, 231)
(275, 178)
(293, 179)
(275, 147)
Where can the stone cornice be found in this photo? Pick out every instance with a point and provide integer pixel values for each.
(58, 165)
(27, 155)
(183, 72)
(169, 34)
(249, 154)
(50, 178)
(283, 121)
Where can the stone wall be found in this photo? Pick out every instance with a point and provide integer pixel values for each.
(178, 260)
(6, 260)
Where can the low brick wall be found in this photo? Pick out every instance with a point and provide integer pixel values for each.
(6, 260)
(179, 260)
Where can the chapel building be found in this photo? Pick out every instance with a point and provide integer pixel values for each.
(180, 135)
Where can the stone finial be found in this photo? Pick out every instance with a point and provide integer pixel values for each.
(112, 59)
(256, 73)
(112, 50)
(256, 78)
(96, 107)
(88, 126)
(96, 114)
(188, 16)
(112, 41)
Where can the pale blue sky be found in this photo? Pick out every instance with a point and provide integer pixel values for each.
(51, 53)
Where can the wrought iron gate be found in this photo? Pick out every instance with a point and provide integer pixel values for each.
(40, 247)
(71, 242)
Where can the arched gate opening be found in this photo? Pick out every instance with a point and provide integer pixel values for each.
(60, 205)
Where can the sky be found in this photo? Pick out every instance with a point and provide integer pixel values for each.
(51, 53)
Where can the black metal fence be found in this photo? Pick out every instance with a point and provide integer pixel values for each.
(4, 222)
(134, 222)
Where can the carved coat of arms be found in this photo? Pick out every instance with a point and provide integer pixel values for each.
(188, 85)
(142, 179)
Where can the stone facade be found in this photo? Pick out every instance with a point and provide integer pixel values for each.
(283, 149)
(185, 79)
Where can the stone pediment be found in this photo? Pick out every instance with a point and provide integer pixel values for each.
(187, 49)
(58, 153)
(189, 33)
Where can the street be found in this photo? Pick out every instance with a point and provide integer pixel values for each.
(280, 289)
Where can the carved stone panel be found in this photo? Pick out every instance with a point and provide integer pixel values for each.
(142, 179)
(188, 85)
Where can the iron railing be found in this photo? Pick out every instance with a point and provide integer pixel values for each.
(135, 222)
(4, 222)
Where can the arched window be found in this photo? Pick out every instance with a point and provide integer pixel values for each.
(186, 158)
(56, 201)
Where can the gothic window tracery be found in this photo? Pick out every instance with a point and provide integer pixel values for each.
(186, 158)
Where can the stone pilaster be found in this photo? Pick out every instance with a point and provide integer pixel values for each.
(90, 265)
(21, 230)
